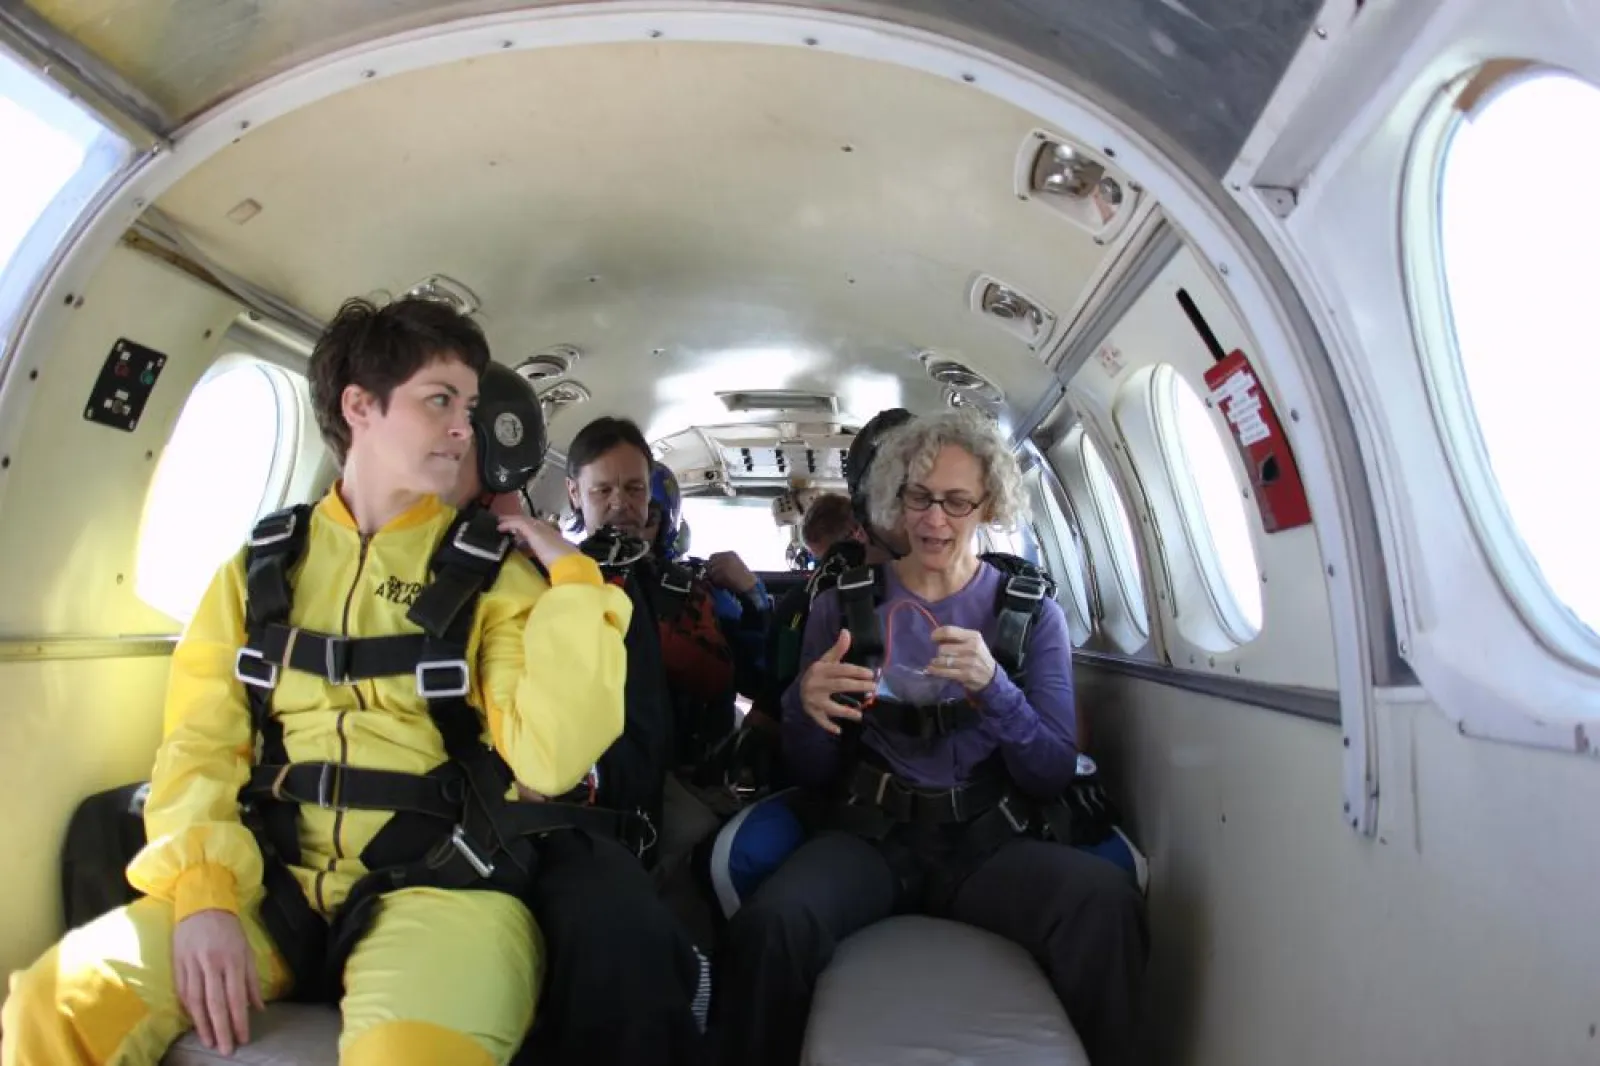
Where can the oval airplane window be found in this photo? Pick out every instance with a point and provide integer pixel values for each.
(1064, 548)
(1119, 534)
(1212, 502)
(1517, 228)
(221, 470)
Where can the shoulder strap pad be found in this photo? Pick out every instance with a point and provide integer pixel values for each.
(1023, 590)
(859, 590)
(276, 544)
(467, 561)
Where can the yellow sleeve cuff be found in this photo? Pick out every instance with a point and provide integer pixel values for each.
(207, 887)
(575, 569)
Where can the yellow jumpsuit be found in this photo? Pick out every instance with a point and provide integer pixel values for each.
(443, 976)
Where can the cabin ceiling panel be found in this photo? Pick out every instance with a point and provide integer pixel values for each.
(1201, 71)
(693, 217)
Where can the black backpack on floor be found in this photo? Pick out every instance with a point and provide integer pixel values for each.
(106, 832)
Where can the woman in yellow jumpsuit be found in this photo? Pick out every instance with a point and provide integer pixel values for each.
(441, 976)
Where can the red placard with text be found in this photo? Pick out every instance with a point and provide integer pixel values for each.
(1237, 394)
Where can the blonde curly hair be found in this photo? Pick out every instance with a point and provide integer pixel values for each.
(907, 453)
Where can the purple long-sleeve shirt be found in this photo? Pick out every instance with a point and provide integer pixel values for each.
(1034, 729)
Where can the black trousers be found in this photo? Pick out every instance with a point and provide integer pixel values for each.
(1078, 915)
(622, 975)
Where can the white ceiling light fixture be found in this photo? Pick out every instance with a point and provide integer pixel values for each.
(1016, 312)
(560, 396)
(446, 290)
(1081, 186)
(1061, 169)
(962, 384)
(549, 364)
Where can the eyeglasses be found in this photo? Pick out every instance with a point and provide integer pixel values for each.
(917, 499)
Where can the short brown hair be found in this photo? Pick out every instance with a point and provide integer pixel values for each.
(828, 520)
(379, 348)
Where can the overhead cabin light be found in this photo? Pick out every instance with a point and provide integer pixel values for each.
(1062, 170)
(780, 400)
(1001, 302)
(1017, 312)
(1075, 183)
(560, 396)
(447, 291)
(960, 380)
(548, 364)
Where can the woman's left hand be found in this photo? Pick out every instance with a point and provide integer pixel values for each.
(962, 656)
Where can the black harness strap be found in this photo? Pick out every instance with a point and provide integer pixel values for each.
(925, 721)
(670, 593)
(1021, 598)
(989, 808)
(860, 589)
(453, 827)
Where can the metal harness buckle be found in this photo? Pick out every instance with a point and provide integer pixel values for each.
(462, 676)
(858, 583)
(493, 555)
(1019, 825)
(682, 590)
(335, 660)
(328, 781)
(274, 529)
(646, 844)
(268, 681)
(1025, 588)
(459, 841)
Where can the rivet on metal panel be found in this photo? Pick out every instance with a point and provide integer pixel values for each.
(1347, 807)
(33, 375)
(655, 35)
(1330, 571)
(1212, 661)
(1405, 649)
(1322, 32)
(368, 75)
(1347, 742)
(811, 42)
(1294, 416)
(1222, 268)
(68, 300)
(969, 78)
(506, 44)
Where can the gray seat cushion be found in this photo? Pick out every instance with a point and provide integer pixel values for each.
(923, 991)
(286, 1034)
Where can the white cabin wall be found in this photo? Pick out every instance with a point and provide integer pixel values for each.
(1458, 936)
(72, 497)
